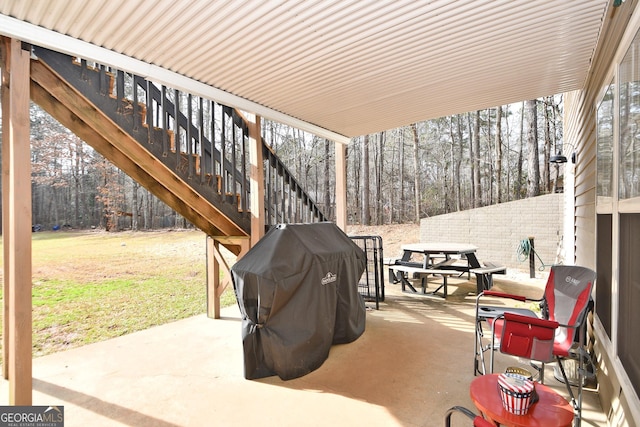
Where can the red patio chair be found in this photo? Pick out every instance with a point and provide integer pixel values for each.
(557, 335)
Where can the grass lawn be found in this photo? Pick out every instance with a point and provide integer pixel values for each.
(92, 286)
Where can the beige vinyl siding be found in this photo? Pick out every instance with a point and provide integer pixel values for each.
(580, 130)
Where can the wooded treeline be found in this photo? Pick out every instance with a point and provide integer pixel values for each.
(73, 186)
(436, 166)
(400, 175)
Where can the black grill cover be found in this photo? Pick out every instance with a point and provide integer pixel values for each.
(297, 290)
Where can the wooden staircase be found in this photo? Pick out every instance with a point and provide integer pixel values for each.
(189, 151)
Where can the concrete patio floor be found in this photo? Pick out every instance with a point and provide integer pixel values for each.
(413, 362)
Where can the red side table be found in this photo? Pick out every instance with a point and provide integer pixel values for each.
(551, 410)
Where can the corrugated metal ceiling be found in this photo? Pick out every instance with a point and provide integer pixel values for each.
(350, 66)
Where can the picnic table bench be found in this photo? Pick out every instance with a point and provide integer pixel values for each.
(403, 271)
(441, 259)
(484, 275)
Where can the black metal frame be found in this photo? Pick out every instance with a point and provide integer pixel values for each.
(373, 276)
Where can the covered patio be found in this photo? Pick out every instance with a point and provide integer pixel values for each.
(413, 362)
(339, 70)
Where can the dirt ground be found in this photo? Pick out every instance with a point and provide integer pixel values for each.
(393, 236)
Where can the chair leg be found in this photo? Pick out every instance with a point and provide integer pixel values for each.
(576, 402)
(539, 370)
(480, 363)
(577, 406)
(478, 351)
(461, 409)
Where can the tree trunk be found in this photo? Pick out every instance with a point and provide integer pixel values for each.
(476, 161)
(134, 206)
(354, 158)
(533, 178)
(546, 179)
(499, 155)
(416, 171)
(401, 213)
(519, 172)
(392, 184)
(379, 177)
(150, 210)
(452, 161)
(489, 162)
(327, 179)
(366, 215)
(459, 204)
(507, 145)
(472, 163)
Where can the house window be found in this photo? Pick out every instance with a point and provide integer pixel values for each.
(629, 300)
(629, 145)
(604, 189)
(626, 212)
(604, 206)
(604, 271)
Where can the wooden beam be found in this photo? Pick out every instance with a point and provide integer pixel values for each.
(213, 279)
(6, 230)
(257, 180)
(341, 186)
(19, 216)
(216, 264)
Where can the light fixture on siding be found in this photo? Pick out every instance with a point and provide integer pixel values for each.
(560, 158)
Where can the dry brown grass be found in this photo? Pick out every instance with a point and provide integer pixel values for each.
(91, 286)
(393, 236)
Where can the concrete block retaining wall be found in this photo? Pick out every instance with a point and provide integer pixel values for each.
(498, 229)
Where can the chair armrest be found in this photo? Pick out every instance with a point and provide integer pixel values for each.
(502, 295)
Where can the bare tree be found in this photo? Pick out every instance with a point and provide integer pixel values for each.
(366, 213)
(476, 161)
(134, 207)
(458, 163)
(498, 147)
(546, 176)
(533, 176)
(416, 171)
(520, 161)
(379, 176)
(401, 213)
(327, 178)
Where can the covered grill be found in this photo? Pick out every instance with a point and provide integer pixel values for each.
(297, 290)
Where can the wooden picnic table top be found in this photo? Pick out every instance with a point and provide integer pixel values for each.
(444, 248)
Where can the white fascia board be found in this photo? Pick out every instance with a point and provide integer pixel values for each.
(49, 39)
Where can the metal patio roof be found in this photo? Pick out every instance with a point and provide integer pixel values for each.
(338, 68)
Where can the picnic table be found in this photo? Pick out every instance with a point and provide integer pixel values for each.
(441, 259)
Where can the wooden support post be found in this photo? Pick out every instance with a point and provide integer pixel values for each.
(16, 176)
(341, 185)
(6, 230)
(256, 181)
(216, 264)
(213, 280)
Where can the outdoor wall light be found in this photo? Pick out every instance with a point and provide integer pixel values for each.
(559, 158)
